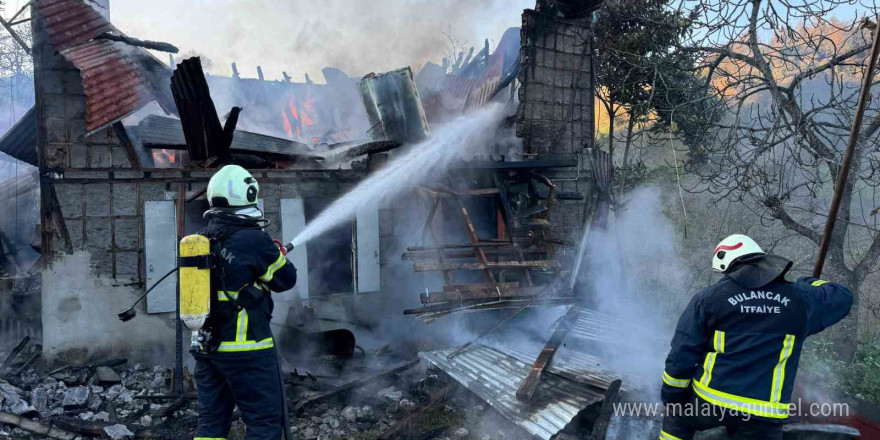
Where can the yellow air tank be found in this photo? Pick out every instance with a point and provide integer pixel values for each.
(195, 283)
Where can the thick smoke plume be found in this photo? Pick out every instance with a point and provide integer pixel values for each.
(300, 36)
(635, 274)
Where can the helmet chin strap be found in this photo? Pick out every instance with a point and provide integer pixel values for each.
(246, 213)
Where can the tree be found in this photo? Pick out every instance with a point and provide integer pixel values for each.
(640, 76)
(786, 80)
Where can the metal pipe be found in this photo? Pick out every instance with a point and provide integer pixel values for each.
(847, 158)
(181, 230)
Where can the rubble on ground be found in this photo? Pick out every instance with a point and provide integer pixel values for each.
(117, 401)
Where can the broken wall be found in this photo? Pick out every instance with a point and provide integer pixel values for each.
(94, 212)
(555, 114)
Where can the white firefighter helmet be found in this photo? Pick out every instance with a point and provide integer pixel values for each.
(731, 248)
(233, 187)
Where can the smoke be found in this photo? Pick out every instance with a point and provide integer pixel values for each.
(426, 161)
(635, 274)
(301, 36)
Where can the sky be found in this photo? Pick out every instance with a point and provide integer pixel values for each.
(303, 36)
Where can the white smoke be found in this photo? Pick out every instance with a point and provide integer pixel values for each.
(303, 36)
(635, 274)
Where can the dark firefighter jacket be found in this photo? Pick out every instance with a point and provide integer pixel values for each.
(738, 342)
(249, 265)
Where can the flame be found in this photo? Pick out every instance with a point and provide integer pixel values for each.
(165, 158)
(287, 128)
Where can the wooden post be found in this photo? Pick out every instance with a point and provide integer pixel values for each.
(847, 158)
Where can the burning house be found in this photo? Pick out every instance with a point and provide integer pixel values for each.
(125, 145)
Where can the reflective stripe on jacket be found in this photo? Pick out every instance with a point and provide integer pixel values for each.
(739, 348)
(249, 267)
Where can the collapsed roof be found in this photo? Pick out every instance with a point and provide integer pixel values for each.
(118, 78)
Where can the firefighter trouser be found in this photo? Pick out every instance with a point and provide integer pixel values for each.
(249, 380)
(682, 425)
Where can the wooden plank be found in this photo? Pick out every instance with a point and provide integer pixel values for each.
(516, 293)
(472, 235)
(600, 426)
(433, 267)
(352, 385)
(482, 243)
(463, 287)
(394, 431)
(428, 229)
(530, 383)
(448, 254)
(127, 145)
(447, 194)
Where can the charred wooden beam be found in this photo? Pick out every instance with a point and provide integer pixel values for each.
(600, 426)
(477, 294)
(394, 431)
(127, 145)
(540, 264)
(530, 383)
(204, 135)
(35, 427)
(352, 385)
(147, 44)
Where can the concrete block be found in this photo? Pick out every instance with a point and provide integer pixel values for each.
(290, 191)
(56, 130)
(76, 129)
(97, 234)
(73, 82)
(549, 58)
(99, 156)
(56, 155)
(124, 199)
(127, 266)
(54, 106)
(97, 199)
(101, 263)
(53, 81)
(120, 158)
(71, 199)
(125, 234)
(76, 397)
(75, 106)
(75, 230)
(79, 156)
(153, 191)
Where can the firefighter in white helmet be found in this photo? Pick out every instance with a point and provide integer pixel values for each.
(736, 348)
(239, 365)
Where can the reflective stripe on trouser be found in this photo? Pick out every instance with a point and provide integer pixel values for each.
(247, 380)
(742, 404)
(673, 382)
(667, 436)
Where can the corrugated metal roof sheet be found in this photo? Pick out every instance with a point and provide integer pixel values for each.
(495, 376)
(71, 22)
(166, 132)
(20, 141)
(118, 79)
